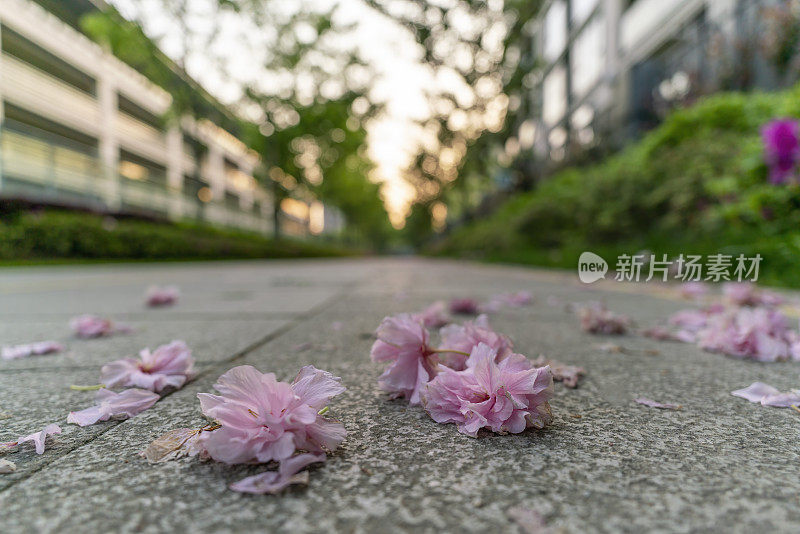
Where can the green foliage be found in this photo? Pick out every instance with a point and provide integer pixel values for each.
(56, 234)
(697, 184)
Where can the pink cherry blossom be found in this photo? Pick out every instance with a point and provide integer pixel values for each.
(464, 306)
(505, 397)
(403, 341)
(91, 326)
(263, 419)
(275, 481)
(746, 294)
(768, 395)
(463, 338)
(32, 349)
(757, 333)
(434, 316)
(596, 319)
(693, 290)
(161, 296)
(121, 405)
(38, 438)
(169, 365)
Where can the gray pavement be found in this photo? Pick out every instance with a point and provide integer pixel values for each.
(605, 465)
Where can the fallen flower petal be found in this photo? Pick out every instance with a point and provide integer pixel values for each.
(403, 341)
(262, 419)
(31, 349)
(39, 438)
(7, 466)
(121, 405)
(529, 521)
(693, 290)
(169, 446)
(768, 395)
(91, 326)
(562, 372)
(169, 365)
(506, 397)
(434, 316)
(275, 481)
(464, 338)
(161, 296)
(653, 404)
(596, 319)
(465, 306)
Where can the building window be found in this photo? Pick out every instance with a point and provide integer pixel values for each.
(555, 95)
(25, 50)
(136, 111)
(582, 10)
(555, 30)
(587, 57)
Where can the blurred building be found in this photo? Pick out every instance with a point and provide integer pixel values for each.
(79, 127)
(614, 68)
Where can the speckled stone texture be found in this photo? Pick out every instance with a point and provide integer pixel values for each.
(607, 464)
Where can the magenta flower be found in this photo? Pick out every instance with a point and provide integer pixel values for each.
(39, 438)
(596, 319)
(781, 138)
(434, 316)
(403, 341)
(464, 306)
(463, 338)
(505, 397)
(263, 419)
(32, 349)
(121, 405)
(275, 481)
(91, 326)
(168, 365)
(161, 296)
(768, 395)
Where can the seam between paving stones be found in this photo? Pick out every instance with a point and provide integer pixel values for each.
(289, 326)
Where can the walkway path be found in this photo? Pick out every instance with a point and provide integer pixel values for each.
(607, 464)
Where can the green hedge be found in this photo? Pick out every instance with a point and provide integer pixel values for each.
(55, 234)
(697, 185)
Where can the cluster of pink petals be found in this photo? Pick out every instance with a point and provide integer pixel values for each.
(169, 365)
(161, 296)
(31, 349)
(693, 290)
(768, 395)
(91, 326)
(758, 333)
(38, 438)
(464, 306)
(110, 404)
(747, 294)
(506, 300)
(434, 316)
(597, 319)
(506, 397)
(263, 420)
(463, 338)
(404, 342)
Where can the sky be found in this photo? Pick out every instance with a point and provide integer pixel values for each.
(395, 57)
